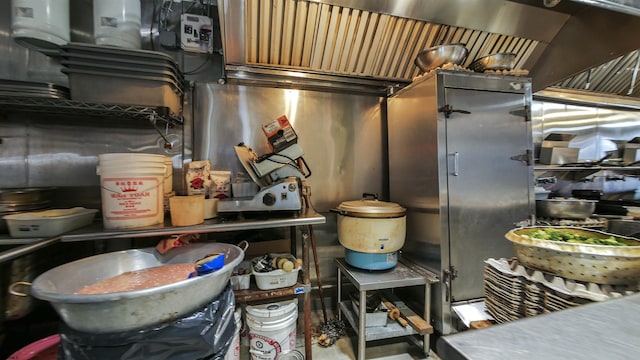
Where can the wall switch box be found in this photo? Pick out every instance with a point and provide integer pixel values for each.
(196, 33)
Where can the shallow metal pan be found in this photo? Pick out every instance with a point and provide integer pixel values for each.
(107, 313)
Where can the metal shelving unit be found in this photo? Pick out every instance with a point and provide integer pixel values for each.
(96, 231)
(79, 108)
(306, 217)
(584, 168)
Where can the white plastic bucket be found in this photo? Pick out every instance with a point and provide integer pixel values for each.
(234, 349)
(41, 24)
(168, 175)
(117, 23)
(131, 157)
(272, 329)
(132, 191)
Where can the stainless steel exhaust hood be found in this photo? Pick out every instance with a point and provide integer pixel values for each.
(376, 41)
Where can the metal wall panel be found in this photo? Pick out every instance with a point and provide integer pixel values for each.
(341, 135)
(43, 150)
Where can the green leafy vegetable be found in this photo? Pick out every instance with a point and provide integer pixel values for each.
(571, 237)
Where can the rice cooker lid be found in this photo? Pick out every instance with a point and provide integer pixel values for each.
(371, 208)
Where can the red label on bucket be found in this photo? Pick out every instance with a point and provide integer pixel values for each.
(132, 197)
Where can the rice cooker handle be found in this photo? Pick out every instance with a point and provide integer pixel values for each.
(371, 195)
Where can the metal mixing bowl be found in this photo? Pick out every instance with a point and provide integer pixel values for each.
(437, 56)
(565, 208)
(499, 61)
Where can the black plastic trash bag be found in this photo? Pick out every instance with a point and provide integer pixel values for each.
(205, 334)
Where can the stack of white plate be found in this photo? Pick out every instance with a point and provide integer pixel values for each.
(106, 74)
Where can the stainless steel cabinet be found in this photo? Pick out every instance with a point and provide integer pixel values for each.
(460, 160)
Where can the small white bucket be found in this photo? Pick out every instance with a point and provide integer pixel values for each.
(234, 349)
(117, 23)
(132, 191)
(272, 329)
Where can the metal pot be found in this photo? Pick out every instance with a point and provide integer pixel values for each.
(371, 226)
(565, 208)
(22, 269)
(106, 313)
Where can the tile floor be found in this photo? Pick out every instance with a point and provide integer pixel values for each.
(345, 347)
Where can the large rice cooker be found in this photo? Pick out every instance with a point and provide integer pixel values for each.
(371, 231)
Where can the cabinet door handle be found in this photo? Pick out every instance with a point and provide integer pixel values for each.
(456, 157)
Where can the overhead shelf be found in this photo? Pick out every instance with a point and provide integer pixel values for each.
(538, 167)
(79, 108)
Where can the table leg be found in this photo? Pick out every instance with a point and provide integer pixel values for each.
(427, 317)
(307, 299)
(362, 336)
(339, 284)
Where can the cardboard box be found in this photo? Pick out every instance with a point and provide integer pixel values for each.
(631, 154)
(557, 140)
(631, 151)
(558, 155)
(280, 133)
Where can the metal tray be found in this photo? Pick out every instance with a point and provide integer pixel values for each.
(98, 87)
(602, 264)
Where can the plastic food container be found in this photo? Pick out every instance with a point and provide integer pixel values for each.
(278, 278)
(49, 222)
(241, 276)
(240, 282)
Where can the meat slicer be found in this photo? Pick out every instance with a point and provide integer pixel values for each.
(278, 176)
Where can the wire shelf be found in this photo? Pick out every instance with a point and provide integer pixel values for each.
(79, 108)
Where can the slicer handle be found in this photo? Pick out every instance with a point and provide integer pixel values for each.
(370, 195)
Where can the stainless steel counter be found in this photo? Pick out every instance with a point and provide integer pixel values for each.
(604, 330)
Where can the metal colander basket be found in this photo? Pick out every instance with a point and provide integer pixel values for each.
(602, 264)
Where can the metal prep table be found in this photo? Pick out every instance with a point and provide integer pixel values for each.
(403, 274)
(602, 330)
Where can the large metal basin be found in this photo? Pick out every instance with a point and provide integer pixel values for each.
(601, 264)
(107, 313)
(565, 208)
